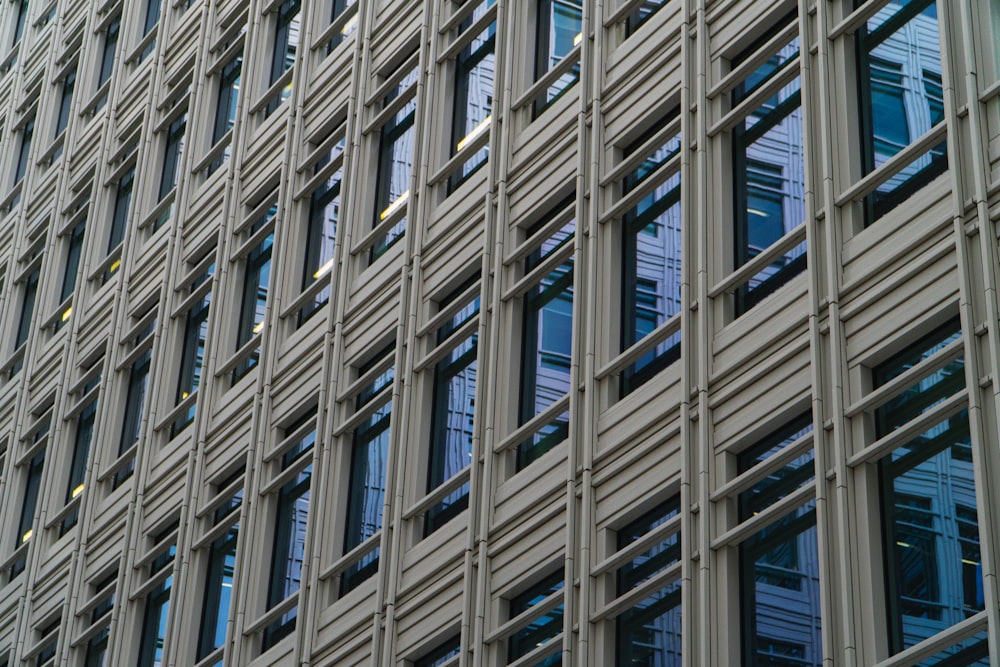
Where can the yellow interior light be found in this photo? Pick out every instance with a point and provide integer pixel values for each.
(476, 131)
(67, 313)
(114, 266)
(395, 206)
(329, 264)
(349, 27)
(77, 491)
(257, 327)
(26, 536)
(184, 395)
(578, 38)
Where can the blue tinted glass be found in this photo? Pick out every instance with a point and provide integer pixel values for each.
(932, 533)
(542, 629)
(649, 633)
(900, 59)
(780, 581)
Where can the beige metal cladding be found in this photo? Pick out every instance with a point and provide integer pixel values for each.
(241, 239)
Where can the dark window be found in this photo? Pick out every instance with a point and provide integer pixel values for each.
(97, 645)
(290, 521)
(453, 412)
(651, 247)
(369, 456)
(899, 74)
(108, 54)
(253, 301)
(119, 219)
(27, 133)
(22, 16)
(930, 524)
(65, 101)
(547, 337)
(649, 632)
(321, 229)
(193, 349)
(74, 250)
(27, 309)
(219, 578)
(172, 155)
(337, 9)
(395, 162)
(779, 565)
(442, 654)
(81, 453)
(286, 44)
(641, 13)
(559, 25)
(47, 654)
(138, 381)
(768, 172)
(157, 607)
(543, 629)
(473, 106)
(152, 18)
(29, 504)
(225, 109)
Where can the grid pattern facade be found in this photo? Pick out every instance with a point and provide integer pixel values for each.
(659, 332)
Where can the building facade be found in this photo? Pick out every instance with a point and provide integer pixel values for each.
(500, 332)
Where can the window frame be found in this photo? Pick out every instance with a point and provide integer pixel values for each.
(874, 207)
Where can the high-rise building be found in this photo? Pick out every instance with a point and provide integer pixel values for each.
(414, 333)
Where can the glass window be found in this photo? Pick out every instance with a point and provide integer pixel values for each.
(152, 18)
(193, 349)
(220, 577)
(779, 564)
(32, 487)
(321, 228)
(65, 100)
(100, 619)
(119, 219)
(769, 172)
(172, 155)
(290, 521)
(543, 629)
(108, 57)
(74, 250)
(547, 336)
(27, 309)
(81, 453)
(135, 398)
(442, 655)
(474, 76)
(649, 632)
(369, 456)
(930, 524)
(395, 163)
(50, 636)
(225, 109)
(337, 9)
(22, 16)
(23, 154)
(559, 25)
(641, 14)
(453, 411)
(899, 72)
(286, 44)
(651, 247)
(157, 606)
(253, 300)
